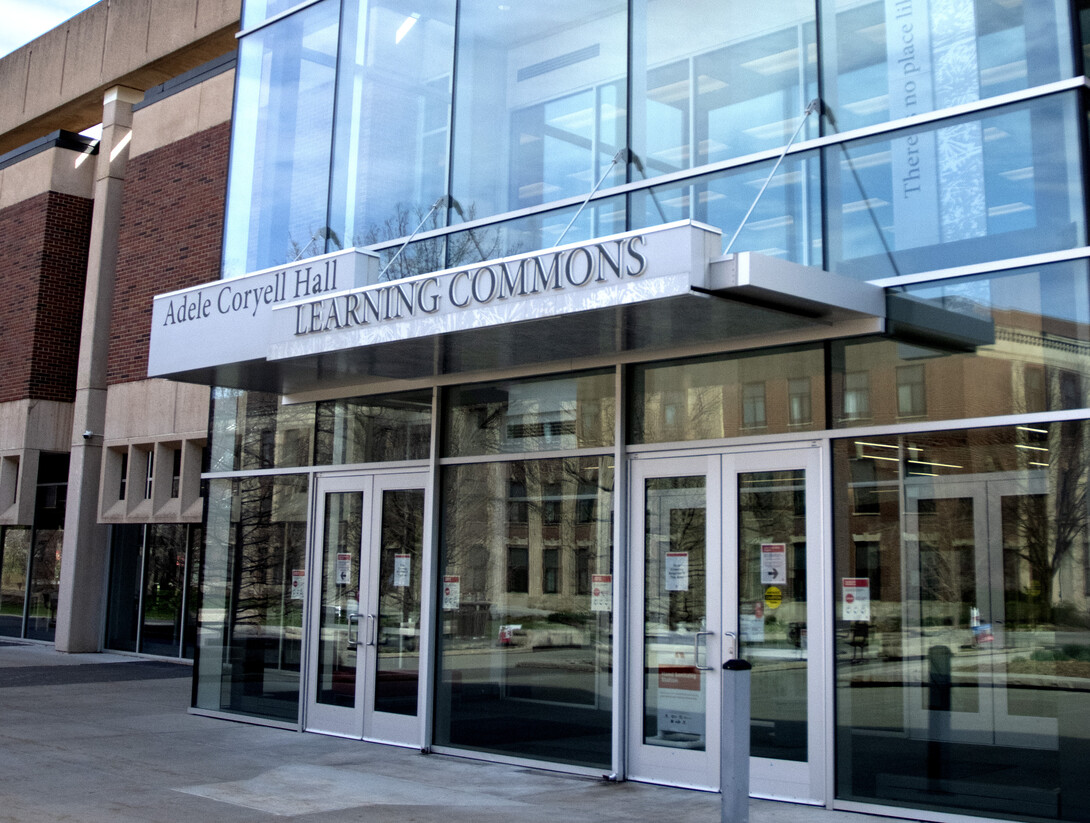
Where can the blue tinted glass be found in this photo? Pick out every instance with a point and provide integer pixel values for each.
(393, 106)
(712, 80)
(786, 220)
(256, 12)
(534, 232)
(894, 58)
(283, 119)
(539, 112)
(978, 188)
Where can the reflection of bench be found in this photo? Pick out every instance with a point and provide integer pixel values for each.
(858, 638)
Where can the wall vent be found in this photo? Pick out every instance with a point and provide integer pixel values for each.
(559, 62)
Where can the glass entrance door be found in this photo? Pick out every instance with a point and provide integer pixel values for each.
(973, 548)
(364, 661)
(722, 545)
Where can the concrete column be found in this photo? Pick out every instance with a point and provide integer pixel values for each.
(84, 555)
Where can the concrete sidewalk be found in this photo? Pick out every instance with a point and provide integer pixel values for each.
(106, 737)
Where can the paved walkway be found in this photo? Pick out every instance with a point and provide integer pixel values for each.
(106, 737)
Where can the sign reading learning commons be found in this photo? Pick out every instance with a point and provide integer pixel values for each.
(503, 280)
(338, 301)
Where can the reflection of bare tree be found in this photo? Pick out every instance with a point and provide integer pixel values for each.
(266, 543)
(433, 254)
(1047, 529)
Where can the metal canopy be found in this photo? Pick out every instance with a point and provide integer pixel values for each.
(747, 301)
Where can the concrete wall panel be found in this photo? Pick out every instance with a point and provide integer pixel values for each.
(58, 80)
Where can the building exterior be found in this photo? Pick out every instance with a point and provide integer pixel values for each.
(92, 228)
(487, 376)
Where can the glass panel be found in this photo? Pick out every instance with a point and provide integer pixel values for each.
(571, 412)
(395, 67)
(1027, 332)
(705, 399)
(14, 557)
(251, 599)
(539, 111)
(963, 620)
(400, 568)
(255, 12)
(123, 606)
(772, 609)
(193, 592)
(339, 620)
(164, 589)
(254, 430)
(527, 673)
(885, 60)
(700, 101)
(372, 429)
(45, 559)
(786, 222)
(675, 612)
(946, 555)
(280, 147)
(983, 187)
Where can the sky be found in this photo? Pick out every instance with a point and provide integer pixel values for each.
(26, 19)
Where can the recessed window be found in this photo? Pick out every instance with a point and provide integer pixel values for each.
(518, 569)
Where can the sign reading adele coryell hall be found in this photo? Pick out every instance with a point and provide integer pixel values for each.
(338, 302)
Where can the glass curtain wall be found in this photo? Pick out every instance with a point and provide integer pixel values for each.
(525, 627)
(14, 556)
(712, 81)
(1027, 332)
(887, 59)
(540, 108)
(988, 186)
(250, 618)
(963, 620)
(533, 105)
(148, 608)
(278, 190)
(392, 132)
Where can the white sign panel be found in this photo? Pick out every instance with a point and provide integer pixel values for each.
(337, 302)
(677, 571)
(298, 584)
(402, 570)
(856, 594)
(344, 569)
(452, 592)
(773, 563)
(601, 592)
(681, 700)
(232, 321)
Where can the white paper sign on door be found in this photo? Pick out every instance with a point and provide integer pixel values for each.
(677, 571)
(856, 598)
(601, 592)
(402, 570)
(344, 569)
(452, 592)
(773, 562)
(298, 583)
(681, 700)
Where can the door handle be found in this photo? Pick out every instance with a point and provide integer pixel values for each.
(353, 636)
(371, 630)
(696, 651)
(731, 652)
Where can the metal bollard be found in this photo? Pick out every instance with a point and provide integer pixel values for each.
(734, 742)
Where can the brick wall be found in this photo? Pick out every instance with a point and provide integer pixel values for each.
(170, 238)
(43, 264)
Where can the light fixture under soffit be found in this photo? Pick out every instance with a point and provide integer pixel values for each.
(406, 27)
